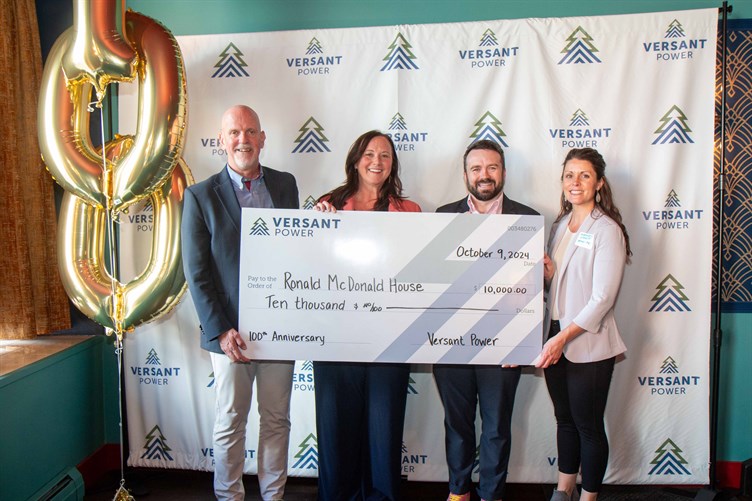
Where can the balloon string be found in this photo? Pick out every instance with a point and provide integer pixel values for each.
(119, 351)
(110, 222)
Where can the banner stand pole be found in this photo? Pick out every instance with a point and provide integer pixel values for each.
(709, 492)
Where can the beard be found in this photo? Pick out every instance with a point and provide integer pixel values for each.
(484, 196)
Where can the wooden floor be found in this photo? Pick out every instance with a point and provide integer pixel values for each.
(173, 485)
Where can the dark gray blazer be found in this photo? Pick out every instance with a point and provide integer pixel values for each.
(508, 206)
(210, 234)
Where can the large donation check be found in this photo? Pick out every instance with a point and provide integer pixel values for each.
(391, 287)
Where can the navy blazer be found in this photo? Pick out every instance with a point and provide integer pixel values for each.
(210, 234)
(508, 206)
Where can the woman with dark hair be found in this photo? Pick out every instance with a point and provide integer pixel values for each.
(587, 252)
(360, 407)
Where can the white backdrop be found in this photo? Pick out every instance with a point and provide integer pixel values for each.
(639, 88)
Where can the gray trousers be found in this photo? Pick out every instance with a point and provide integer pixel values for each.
(234, 390)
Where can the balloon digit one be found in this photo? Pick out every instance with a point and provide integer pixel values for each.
(87, 58)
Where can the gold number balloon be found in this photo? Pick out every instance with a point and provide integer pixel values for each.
(98, 52)
(99, 187)
(64, 127)
(82, 235)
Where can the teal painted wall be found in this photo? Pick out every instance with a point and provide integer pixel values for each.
(735, 402)
(238, 16)
(53, 417)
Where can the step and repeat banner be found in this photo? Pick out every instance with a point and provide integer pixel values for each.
(639, 88)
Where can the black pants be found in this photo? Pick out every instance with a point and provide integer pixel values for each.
(360, 417)
(579, 393)
(461, 388)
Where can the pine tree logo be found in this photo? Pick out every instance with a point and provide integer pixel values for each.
(211, 380)
(411, 387)
(230, 63)
(476, 460)
(672, 200)
(673, 128)
(670, 296)
(668, 460)
(488, 39)
(259, 228)
(489, 127)
(579, 119)
(314, 47)
(397, 122)
(309, 203)
(308, 453)
(579, 48)
(675, 30)
(156, 446)
(311, 138)
(669, 367)
(152, 358)
(399, 57)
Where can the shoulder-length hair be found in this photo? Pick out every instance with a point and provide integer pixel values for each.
(390, 190)
(604, 198)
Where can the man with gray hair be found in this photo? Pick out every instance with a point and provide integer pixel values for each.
(211, 260)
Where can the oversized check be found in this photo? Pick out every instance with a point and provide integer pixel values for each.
(391, 287)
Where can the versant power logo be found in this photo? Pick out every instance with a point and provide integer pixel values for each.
(302, 380)
(669, 381)
(675, 44)
(403, 138)
(308, 203)
(399, 55)
(489, 127)
(670, 296)
(298, 227)
(673, 128)
(311, 138)
(144, 218)
(411, 390)
(208, 453)
(211, 380)
(230, 63)
(315, 62)
(489, 53)
(152, 372)
(579, 133)
(259, 228)
(672, 216)
(668, 460)
(411, 459)
(152, 358)
(156, 446)
(579, 48)
(307, 457)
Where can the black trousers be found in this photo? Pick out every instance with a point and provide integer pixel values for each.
(360, 417)
(579, 392)
(462, 388)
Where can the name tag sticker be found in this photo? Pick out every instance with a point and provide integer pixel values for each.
(584, 240)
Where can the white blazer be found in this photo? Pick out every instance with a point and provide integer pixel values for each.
(587, 285)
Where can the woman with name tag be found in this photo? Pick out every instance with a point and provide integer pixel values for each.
(587, 251)
(360, 407)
